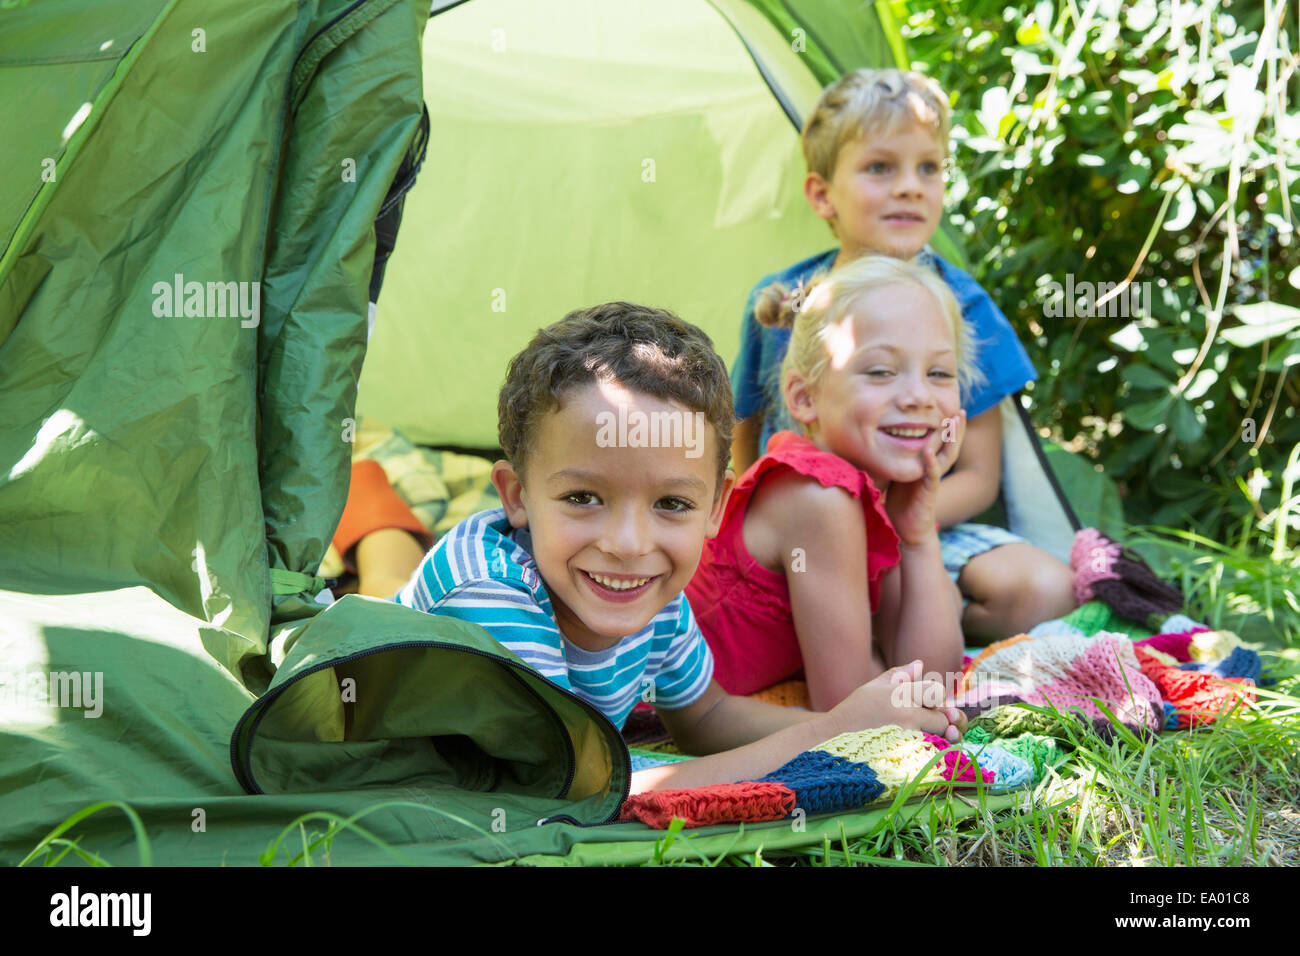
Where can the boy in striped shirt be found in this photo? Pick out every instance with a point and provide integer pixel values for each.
(616, 426)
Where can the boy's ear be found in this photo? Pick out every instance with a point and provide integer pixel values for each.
(511, 489)
(817, 191)
(798, 399)
(720, 504)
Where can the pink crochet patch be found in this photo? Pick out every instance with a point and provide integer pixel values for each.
(956, 766)
(1097, 673)
(1177, 645)
(1092, 558)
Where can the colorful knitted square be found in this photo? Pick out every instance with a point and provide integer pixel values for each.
(1068, 671)
(1196, 696)
(1072, 673)
(1106, 571)
(719, 803)
(1095, 616)
(825, 783)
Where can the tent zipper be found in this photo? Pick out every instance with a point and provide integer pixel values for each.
(246, 776)
(315, 36)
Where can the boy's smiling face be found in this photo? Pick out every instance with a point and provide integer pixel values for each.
(617, 532)
(886, 193)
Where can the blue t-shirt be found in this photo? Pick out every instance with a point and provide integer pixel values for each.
(756, 376)
(482, 571)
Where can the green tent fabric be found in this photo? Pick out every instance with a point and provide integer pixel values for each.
(186, 247)
(682, 116)
(184, 301)
(652, 159)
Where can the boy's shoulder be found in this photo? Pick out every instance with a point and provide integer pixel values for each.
(485, 546)
(955, 276)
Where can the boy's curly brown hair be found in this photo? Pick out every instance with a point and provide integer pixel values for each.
(641, 348)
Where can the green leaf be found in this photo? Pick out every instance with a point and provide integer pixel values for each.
(1144, 376)
(1129, 338)
(1287, 355)
(1135, 454)
(1266, 313)
(1147, 415)
(1203, 382)
(1184, 210)
(1187, 426)
(1132, 178)
(1245, 336)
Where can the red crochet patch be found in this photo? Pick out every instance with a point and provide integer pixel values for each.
(719, 803)
(1197, 691)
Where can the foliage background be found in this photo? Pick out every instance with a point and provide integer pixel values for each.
(1157, 139)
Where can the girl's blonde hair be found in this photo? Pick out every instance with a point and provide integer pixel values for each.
(813, 311)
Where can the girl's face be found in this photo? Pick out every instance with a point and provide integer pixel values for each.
(889, 384)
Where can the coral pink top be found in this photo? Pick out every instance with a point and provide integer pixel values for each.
(742, 607)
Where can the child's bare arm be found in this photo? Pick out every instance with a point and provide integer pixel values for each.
(973, 485)
(386, 559)
(824, 556)
(750, 738)
(918, 608)
(816, 536)
(744, 443)
(719, 722)
(928, 623)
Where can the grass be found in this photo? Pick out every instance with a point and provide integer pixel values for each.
(1220, 794)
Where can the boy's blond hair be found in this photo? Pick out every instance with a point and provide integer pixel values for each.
(868, 102)
(814, 312)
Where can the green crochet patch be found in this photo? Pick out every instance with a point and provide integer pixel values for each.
(1095, 616)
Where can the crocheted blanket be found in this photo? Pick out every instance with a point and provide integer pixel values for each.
(1028, 698)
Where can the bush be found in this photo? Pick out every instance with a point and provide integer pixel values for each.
(1100, 142)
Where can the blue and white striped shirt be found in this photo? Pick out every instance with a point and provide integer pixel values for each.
(483, 572)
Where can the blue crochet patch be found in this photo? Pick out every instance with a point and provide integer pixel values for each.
(1009, 770)
(826, 783)
(1171, 716)
(1178, 624)
(1242, 662)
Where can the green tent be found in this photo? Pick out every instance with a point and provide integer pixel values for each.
(186, 245)
(646, 151)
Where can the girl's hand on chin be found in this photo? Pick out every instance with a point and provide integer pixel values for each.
(912, 505)
(947, 450)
